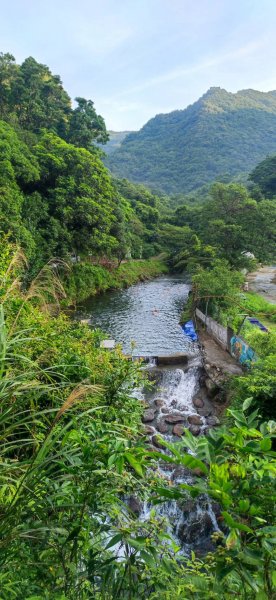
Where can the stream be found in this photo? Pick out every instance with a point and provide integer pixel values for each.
(144, 319)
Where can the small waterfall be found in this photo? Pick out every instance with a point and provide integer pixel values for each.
(190, 522)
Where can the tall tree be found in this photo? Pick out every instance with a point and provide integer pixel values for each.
(86, 126)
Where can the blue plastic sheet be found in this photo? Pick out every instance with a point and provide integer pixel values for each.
(257, 323)
(189, 330)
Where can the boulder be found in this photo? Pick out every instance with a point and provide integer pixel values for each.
(194, 429)
(178, 430)
(174, 418)
(162, 426)
(159, 402)
(213, 420)
(148, 415)
(205, 411)
(212, 388)
(135, 505)
(198, 402)
(195, 420)
(149, 430)
(157, 441)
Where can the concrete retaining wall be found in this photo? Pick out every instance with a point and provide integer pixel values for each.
(217, 331)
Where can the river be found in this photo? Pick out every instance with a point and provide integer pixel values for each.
(144, 319)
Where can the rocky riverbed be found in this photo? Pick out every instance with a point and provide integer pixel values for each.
(179, 400)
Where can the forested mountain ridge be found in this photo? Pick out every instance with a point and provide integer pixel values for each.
(216, 138)
(114, 142)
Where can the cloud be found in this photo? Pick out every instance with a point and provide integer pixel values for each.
(177, 73)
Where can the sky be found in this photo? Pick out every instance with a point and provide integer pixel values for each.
(138, 58)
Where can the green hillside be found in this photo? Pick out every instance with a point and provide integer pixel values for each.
(115, 140)
(219, 136)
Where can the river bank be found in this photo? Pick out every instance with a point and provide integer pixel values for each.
(263, 282)
(85, 279)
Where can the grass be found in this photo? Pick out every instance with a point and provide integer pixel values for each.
(257, 306)
(85, 279)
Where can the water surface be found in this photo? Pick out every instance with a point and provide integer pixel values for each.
(145, 316)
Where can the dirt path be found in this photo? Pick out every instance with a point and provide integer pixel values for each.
(263, 282)
(216, 358)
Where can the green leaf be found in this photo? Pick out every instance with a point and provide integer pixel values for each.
(134, 464)
(73, 534)
(261, 595)
(268, 529)
(266, 444)
(147, 558)
(244, 505)
(114, 540)
(247, 403)
(235, 524)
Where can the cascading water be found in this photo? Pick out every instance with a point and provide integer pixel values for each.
(170, 409)
(144, 320)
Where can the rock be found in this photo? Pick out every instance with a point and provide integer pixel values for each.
(155, 375)
(198, 402)
(159, 402)
(157, 441)
(135, 505)
(194, 429)
(149, 429)
(174, 418)
(148, 415)
(164, 409)
(205, 411)
(213, 420)
(195, 420)
(197, 528)
(179, 473)
(178, 430)
(151, 449)
(162, 426)
(197, 471)
(211, 387)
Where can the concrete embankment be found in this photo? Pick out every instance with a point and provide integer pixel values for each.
(218, 367)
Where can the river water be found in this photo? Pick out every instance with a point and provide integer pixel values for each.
(144, 319)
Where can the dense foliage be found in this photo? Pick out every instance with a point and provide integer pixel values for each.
(57, 199)
(218, 137)
(264, 177)
(70, 459)
(73, 450)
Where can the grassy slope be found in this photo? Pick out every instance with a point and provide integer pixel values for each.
(87, 280)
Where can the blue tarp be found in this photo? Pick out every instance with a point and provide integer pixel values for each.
(189, 330)
(257, 323)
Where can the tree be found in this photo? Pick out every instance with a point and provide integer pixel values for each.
(264, 176)
(86, 126)
(8, 75)
(39, 100)
(216, 290)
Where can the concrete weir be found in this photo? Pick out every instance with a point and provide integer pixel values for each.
(172, 359)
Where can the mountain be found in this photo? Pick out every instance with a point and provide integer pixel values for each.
(218, 137)
(115, 140)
